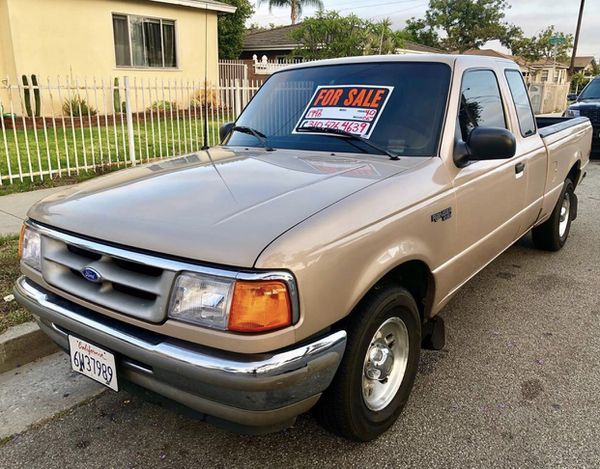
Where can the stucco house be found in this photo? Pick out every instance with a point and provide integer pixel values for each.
(108, 38)
(586, 65)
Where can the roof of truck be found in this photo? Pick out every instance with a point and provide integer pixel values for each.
(450, 59)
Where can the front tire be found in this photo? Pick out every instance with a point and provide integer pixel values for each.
(379, 366)
(553, 233)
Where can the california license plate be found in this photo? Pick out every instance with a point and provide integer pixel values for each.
(93, 362)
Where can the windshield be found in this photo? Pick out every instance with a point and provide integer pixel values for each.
(399, 106)
(592, 91)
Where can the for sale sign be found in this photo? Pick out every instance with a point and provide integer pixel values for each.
(352, 108)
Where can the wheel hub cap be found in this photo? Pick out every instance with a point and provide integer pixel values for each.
(381, 361)
(563, 221)
(385, 364)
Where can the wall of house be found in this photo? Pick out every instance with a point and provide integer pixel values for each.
(75, 38)
(7, 64)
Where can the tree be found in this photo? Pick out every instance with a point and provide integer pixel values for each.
(541, 46)
(578, 81)
(296, 6)
(329, 35)
(417, 30)
(466, 24)
(232, 29)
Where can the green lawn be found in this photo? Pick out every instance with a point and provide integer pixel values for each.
(11, 313)
(104, 147)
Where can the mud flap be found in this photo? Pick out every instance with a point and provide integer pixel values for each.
(574, 205)
(434, 334)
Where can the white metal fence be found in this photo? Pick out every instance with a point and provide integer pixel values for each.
(267, 67)
(62, 127)
(233, 70)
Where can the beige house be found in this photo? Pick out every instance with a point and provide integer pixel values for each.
(585, 65)
(161, 39)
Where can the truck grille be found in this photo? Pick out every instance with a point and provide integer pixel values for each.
(592, 114)
(135, 289)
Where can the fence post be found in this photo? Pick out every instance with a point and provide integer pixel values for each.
(238, 98)
(129, 115)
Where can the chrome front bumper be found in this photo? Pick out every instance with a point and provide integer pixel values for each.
(259, 390)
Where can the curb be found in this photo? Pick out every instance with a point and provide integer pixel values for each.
(23, 344)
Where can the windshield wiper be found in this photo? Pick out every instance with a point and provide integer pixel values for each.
(589, 97)
(262, 138)
(344, 134)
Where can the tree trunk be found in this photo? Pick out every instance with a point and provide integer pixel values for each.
(294, 14)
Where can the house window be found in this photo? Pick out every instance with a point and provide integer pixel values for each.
(556, 76)
(544, 75)
(144, 42)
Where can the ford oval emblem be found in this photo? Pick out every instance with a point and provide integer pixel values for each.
(91, 274)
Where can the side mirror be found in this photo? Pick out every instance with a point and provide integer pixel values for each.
(224, 130)
(485, 143)
(572, 97)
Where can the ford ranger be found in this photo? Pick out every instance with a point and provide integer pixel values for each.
(303, 261)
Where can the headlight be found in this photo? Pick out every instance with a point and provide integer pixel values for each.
(572, 113)
(30, 248)
(230, 304)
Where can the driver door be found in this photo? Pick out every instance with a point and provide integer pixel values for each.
(490, 194)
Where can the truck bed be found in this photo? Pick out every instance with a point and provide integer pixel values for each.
(551, 125)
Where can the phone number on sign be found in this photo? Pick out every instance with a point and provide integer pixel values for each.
(353, 127)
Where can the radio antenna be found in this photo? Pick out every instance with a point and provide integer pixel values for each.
(205, 123)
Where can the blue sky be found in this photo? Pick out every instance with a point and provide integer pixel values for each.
(531, 15)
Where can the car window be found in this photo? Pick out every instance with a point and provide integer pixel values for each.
(521, 100)
(591, 91)
(399, 106)
(480, 103)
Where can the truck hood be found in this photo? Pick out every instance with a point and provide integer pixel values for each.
(223, 207)
(587, 104)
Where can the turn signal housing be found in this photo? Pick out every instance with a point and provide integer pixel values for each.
(21, 237)
(259, 306)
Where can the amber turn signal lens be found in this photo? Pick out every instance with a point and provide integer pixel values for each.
(259, 306)
(21, 236)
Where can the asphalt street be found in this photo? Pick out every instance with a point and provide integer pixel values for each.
(516, 386)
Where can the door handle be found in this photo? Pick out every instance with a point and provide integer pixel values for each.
(519, 167)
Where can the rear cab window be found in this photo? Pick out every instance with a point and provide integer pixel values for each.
(480, 102)
(520, 98)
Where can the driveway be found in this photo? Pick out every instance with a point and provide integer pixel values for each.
(517, 385)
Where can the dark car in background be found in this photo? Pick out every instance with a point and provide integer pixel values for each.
(587, 104)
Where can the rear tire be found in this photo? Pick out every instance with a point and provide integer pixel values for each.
(379, 366)
(553, 233)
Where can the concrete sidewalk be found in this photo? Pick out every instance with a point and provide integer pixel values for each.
(14, 207)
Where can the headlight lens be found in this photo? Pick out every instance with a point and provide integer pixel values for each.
(202, 299)
(30, 248)
(573, 113)
(230, 304)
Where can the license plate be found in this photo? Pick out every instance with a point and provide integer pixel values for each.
(93, 362)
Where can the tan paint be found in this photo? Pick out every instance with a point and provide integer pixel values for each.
(350, 229)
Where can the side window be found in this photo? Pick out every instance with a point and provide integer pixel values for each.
(521, 100)
(480, 102)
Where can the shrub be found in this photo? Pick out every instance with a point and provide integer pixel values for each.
(76, 106)
(203, 98)
(162, 106)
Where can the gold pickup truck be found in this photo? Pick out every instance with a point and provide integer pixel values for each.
(302, 262)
